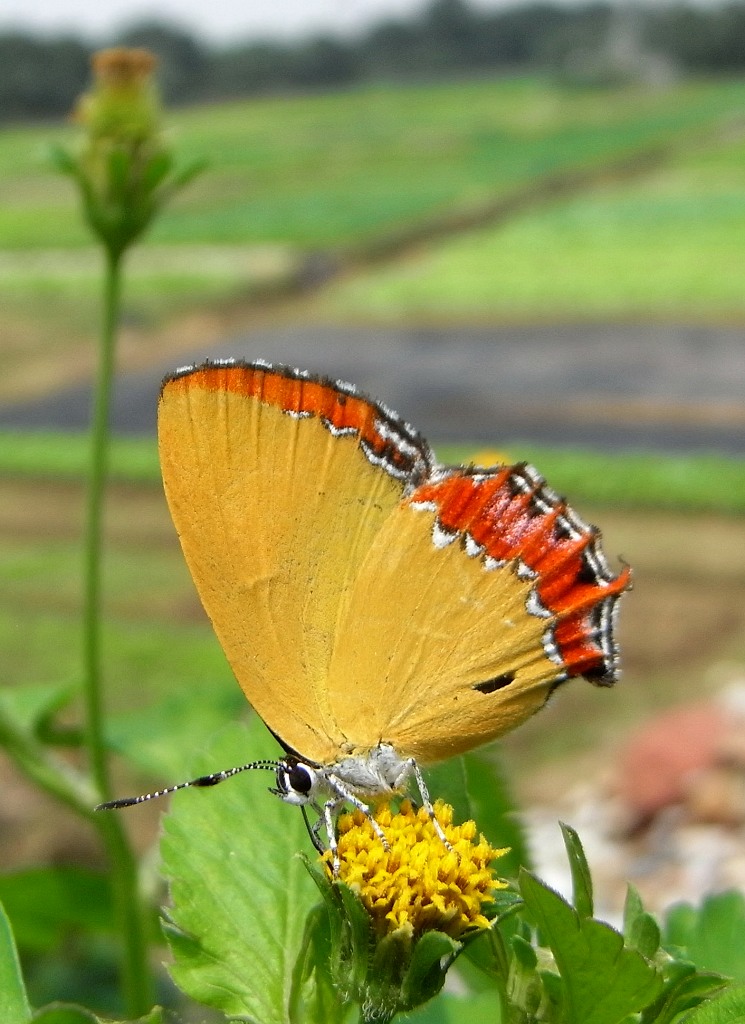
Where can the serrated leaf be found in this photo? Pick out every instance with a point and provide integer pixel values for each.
(487, 952)
(240, 893)
(729, 1008)
(604, 982)
(713, 936)
(14, 1005)
(581, 877)
(524, 952)
(45, 903)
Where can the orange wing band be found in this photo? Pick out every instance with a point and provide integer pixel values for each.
(514, 518)
(388, 441)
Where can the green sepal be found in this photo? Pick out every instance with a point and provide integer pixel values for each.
(391, 974)
(119, 177)
(156, 169)
(314, 996)
(431, 956)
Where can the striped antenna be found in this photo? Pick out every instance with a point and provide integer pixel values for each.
(203, 780)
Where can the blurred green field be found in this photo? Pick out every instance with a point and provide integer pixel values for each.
(669, 245)
(322, 170)
(631, 480)
(340, 172)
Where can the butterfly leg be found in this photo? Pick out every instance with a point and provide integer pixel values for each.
(426, 802)
(346, 794)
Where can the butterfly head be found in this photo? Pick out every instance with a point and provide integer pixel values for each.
(297, 782)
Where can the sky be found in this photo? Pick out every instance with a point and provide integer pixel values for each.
(216, 20)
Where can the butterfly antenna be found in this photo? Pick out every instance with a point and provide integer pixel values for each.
(203, 780)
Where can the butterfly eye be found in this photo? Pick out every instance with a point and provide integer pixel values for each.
(295, 782)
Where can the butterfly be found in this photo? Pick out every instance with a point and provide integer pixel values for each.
(379, 610)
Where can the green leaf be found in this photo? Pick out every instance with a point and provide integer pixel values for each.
(240, 893)
(14, 1006)
(680, 925)
(33, 705)
(65, 1013)
(604, 981)
(729, 1008)
(482, 1008)
(45, 904)
(494, 808)
(139, 735)
(714, 937)
(447, 781)
(581, 877)
(684, 988)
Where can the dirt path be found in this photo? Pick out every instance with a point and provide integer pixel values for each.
(606, 386)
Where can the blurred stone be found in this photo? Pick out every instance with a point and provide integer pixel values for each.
(657, 765)
(717, 796)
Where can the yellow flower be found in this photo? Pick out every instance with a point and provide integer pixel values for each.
(417, 884)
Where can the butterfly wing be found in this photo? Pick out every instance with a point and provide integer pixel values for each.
(481, 592)
(278, 484)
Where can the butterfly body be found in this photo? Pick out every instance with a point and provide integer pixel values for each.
(378, 610)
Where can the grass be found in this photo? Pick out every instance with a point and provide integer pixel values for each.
(303, 174)
(323, 170)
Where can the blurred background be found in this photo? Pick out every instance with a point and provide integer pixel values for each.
(520, 224)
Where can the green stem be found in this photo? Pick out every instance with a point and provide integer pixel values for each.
(94, 530)
(137, 985)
